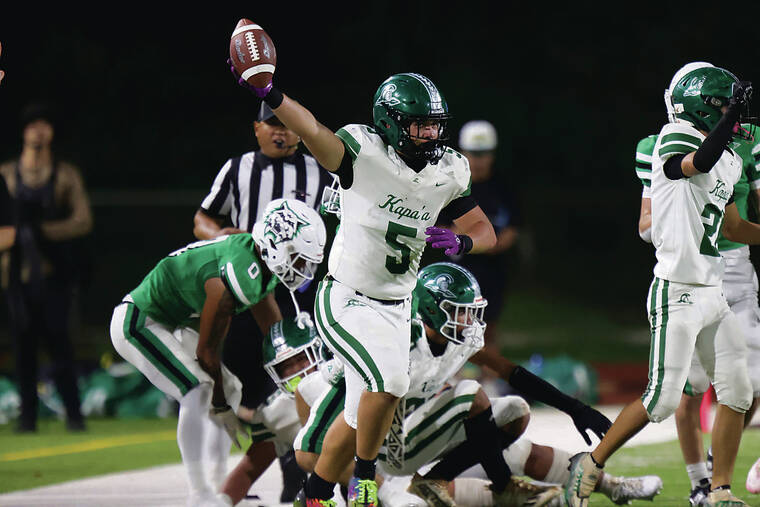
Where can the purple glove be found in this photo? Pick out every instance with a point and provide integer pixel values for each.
(443, 238)
(260, 92)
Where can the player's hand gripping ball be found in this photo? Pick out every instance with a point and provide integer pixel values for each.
(253, 56)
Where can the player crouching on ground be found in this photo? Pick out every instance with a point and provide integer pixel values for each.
(291, 353)
(200, 287)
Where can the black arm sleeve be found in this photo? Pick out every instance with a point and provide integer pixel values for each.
(345, 171)
(712, 147)
(672, 167)
(539, 389)
(458, 207)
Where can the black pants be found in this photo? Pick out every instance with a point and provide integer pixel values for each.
(42, 314)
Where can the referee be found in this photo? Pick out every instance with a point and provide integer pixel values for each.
(239, 194)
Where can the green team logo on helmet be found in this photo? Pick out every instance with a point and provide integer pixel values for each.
(449, 301)
(283, 224)
(402, 100)
(290, 353)
(699, 95)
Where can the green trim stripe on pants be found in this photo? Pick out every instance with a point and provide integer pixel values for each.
(154, 350)
(333, 332)
(657, 346)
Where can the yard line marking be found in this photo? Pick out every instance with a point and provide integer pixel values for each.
(90, 445)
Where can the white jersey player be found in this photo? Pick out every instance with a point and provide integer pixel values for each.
(693, 175)
(396, 177)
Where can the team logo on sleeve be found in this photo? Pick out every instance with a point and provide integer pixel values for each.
(440, 285)
(283, 224)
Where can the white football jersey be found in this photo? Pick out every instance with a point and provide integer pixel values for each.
(429, 373)
(385, 212)
(687, 213)
(276, 420)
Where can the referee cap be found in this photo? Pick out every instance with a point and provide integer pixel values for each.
(477, 135)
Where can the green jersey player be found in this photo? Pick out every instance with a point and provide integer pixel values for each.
(396, 177)
(171, 325)
(693, 177)
(739, 287)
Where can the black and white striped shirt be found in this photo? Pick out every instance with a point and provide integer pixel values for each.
(246, 184)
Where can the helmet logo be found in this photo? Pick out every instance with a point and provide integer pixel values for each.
(693, 86)
(386, 96)
(283, 224)
(440, 285)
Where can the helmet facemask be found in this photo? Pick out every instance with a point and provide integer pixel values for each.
(464, 322)
(330, 204)
(417, 148)
(292, 364)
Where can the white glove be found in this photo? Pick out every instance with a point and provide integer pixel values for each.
(227, 419)
(332, 371)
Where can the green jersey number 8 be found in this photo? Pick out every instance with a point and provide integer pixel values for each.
(394, 264)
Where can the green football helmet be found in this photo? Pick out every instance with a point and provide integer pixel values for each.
(284, 341)
(449, 300)
(403, 99)
(698, 96)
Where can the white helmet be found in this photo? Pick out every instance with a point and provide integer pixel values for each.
(291, 237)
(669, 107)
(477, 135)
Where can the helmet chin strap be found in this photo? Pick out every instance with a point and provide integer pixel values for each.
(303, 319)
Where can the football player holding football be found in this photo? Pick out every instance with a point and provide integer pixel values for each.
(739, 286)
(692, 181)
(200, 287)
(396, 177)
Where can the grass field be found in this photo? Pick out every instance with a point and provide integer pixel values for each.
(54, 455)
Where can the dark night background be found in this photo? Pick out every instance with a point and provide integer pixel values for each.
(146, 103)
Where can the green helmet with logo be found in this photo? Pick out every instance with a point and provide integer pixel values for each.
(406, 98)
(698, 96)
(449, 300)
(284, 341)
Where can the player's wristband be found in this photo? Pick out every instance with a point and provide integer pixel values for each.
(273, 98)
(465, 243)
(541, 390)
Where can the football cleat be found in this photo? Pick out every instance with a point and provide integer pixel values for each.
(753, 478)
(625, 489)
(302, 501)
(519, 492)
(434, 491)
(362, 493)
(698, 496)
(584, 474)
(724, 498)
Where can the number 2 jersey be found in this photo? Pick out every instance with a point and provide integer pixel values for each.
(173, 292)
(385, 212)
(687, 213)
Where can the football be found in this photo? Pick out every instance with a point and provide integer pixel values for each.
(252, 53)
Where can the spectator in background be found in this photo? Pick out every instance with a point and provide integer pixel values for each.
(50, 209)
(7, 231)
(239, 194)
(478, 142)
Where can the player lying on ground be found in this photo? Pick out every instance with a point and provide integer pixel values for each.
(200, 287)
(423, 430)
